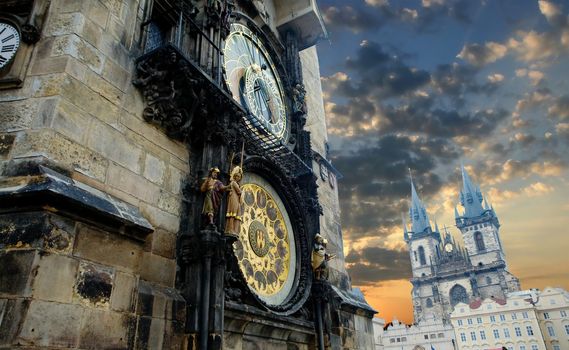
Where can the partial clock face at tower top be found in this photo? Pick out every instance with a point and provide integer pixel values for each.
(253, 80)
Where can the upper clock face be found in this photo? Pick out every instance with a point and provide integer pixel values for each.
(449, 247)
(252, 78)
(9, 43)
(266, 248)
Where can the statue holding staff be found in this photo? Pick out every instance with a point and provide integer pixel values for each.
(212, 188)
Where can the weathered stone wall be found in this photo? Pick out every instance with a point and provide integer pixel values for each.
(330, 226)
(78, 111)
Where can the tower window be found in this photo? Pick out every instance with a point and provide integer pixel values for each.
(429, 302)
(479, 240)
(415, 253)
(488, 280)
(422, 258)
(458, 295)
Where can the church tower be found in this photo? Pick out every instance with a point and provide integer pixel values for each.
(422, 241)
(479, 225)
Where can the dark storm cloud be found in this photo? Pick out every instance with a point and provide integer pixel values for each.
(355, 19)
(383, 73)
(375, 264)
(456, 80)
(375, 187)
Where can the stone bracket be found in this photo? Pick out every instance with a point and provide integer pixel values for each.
(52, 191)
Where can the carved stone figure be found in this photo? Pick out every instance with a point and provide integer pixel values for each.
(320, 258)
(212, 188)
(233, 216)
(299, 99)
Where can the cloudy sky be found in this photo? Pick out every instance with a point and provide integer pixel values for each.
(427, 85)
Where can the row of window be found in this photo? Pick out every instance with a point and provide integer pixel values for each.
(562, 313)
(496, 333)
(404, 339)
(476, 227)
(514, 316)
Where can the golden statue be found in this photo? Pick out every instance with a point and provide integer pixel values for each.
(233, 216)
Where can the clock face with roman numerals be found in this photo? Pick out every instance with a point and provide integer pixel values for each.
(9, 43)
(253, 80)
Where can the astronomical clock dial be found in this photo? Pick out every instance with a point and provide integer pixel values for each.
(449, 247)
(253, 80)
(9, 43)
(266, 248)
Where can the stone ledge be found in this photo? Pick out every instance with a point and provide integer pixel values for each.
(53, 191)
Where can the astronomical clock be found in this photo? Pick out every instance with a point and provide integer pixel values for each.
(271, 257)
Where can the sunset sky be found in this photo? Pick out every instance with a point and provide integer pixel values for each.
(427, 85)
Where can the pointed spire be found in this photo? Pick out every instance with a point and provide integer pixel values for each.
(436, 226)
(417, 212)
(470, 196)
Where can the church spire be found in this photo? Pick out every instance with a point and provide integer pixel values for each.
(470, 196)
(417, 212)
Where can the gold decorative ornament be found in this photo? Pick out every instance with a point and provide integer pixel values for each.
(264, 246)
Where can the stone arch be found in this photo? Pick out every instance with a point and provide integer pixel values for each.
(418, 347)
(458, 294)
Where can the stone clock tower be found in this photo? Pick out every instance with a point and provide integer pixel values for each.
(120, 124)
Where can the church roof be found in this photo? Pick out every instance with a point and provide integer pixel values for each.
(470, 196)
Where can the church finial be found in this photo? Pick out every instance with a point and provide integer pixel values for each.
(417, 211)
(470, 196)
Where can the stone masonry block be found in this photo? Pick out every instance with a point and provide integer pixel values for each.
(89, 100)
(103, 87)
(169, 203)
(103, 329)
(164, 243)
(174, 183)
(55, 278)
(113, 145)
(158, 269)
(98, 13)
(54, 146)
(160, 219)
(123, 296)
(64, 23)
(133, 184)
(92, 33)
(154, 169)
(116, 75)
(13, 312)
(62, 330)
(70, 121)
(18, 115)
(76, 47)
(16, 272)
(94, 285)
(107, 249)
(49, 65)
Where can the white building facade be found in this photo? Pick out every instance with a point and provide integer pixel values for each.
(526, 320)
(427, 334)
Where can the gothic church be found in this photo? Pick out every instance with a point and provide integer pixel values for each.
(444, 272)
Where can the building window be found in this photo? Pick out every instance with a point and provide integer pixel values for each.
(429, 302)
(529, 330)
(433, 336)
(534, 347)
(458, 295)
(473, 335)
(550, 331)
(422, 259)
(567, 329)
(399, 340)
(479, 240)
(488, 280)
(514, 316)
(506, 333)
(482, 335)
(496, 334)
(479, 320)
(522, 347)
(502, 317)
(460, 322)
(493, 319)
(525, 315)
(556, 347)
(546, 315)
(441, 335)
(469, 321)
(403, 339)
(518, 331)
(563, 313)
(392, 340)
(463, 337)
